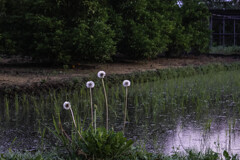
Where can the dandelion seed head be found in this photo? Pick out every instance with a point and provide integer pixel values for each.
(101, 74)
(66, 105)
(126, 83)
(90, 84)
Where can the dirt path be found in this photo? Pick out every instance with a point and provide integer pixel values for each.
(14, 75)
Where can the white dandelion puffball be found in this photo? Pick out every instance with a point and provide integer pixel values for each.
(66, 105)
(90, 84)
(101, 74)
(126, 83)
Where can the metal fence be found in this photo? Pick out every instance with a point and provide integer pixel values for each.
(225, 30)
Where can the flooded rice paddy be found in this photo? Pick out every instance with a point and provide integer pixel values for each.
(198, 112)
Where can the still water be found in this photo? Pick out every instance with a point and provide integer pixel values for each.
(199, 113)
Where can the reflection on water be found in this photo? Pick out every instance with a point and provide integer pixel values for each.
(219, 138)
(199, 112)
(219, 134)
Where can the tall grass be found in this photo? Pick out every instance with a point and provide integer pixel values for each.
(6, 113)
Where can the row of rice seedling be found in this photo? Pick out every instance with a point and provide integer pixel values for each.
(150, 99)
(153, 105)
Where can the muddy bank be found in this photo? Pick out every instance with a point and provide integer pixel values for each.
(19, 75)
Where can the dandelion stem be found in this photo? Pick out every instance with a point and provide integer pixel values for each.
(95, 119)
(74, 122)
(91, 105)
(125, 110)
(105, 95)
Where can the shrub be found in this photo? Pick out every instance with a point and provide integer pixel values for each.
(144, 29)
(195, 19)
(93, 42)
(191, 32)
(53, 31)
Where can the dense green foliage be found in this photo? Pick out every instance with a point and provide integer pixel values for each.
(65, 30)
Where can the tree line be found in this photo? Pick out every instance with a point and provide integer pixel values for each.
(95, 30)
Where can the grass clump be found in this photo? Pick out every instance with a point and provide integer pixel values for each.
(29, 156)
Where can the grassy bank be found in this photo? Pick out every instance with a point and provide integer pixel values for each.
(75, 83)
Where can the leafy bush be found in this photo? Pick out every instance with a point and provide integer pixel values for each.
(55, 31)
(50, 39)
(144, 30)
(191, 33)
(93, 42)
(63, 31)
(7, 46)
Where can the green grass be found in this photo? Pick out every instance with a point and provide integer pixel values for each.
(30, 156)
(225, 50)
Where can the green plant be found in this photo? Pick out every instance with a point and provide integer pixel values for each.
(65, 67)
(15, 156)
(7, 114)
(103, 144)
(52, 155)
(228, 157)
(98, 143)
